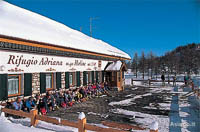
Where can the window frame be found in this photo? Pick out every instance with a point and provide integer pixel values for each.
(71, 80)
(52, 81)
(87, 78)
(19, 85)
(73, 74)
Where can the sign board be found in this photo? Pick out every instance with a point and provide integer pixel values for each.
(13, 62)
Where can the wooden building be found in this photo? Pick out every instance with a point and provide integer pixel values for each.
(38, 54)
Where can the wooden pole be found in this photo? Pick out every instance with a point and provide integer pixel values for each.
(153, 130)
(34, 121)
(81, 125)
(81, 122)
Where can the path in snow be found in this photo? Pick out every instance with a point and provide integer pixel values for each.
(184, 115)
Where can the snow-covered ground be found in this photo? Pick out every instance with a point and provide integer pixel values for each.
(143, 118)
(23, 125)
(184, 111)
(183, 116)
(129, 101)
(146, 119)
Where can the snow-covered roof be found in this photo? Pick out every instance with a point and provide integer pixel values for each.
(115, 66)
(21, 23)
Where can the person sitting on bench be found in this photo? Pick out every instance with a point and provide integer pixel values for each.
(18, 104)
(30, 104)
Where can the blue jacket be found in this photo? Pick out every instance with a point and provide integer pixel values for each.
(17, 106)
(29, 104)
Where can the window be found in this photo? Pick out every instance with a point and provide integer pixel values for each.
(97, 76)
(70, 79)
(49, 81)
(113, 76)
(14, 85)
(87, 78)
(123, 74)
(119, 76)
(90, 76)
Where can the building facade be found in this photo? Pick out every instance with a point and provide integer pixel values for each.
(34, 62)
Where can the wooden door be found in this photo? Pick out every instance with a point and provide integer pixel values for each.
(120, 81)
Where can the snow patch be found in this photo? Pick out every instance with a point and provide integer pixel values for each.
(97, 114)
(183, 114)
(134, 88)
(137, 83)
(146, 119)
(164, 106)
(128, 102)
(125, 102)
(103, 96)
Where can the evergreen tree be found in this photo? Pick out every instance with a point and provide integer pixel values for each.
(135, 64)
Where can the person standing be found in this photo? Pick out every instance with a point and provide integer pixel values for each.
(186, 78)
(174, 80)
(163, 79)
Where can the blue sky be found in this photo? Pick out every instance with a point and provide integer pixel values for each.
(130, 25)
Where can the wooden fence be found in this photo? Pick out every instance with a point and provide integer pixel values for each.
(81, 124)
(195, 89)
(149, 81)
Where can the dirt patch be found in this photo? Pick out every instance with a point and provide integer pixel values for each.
(98, 109)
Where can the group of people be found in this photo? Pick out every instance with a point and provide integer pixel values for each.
(186, 79)
(55, 99)
(163, 79)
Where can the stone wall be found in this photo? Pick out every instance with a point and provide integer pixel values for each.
(35, 82)
(81, 78)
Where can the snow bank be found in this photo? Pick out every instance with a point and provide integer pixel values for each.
(23, 125)
(8, 126)
(137, 82)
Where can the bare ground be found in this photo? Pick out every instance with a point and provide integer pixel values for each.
(98, 110)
